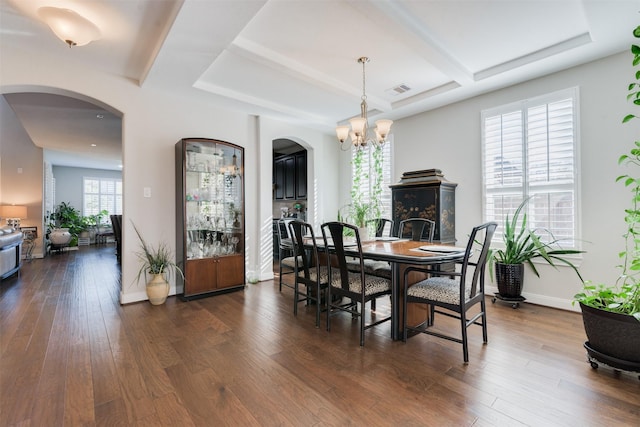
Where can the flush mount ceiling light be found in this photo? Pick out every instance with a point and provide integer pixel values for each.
(359, 125)
(70, 27)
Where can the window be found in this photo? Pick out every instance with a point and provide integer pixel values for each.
(365, 183)
(530, 150)
(102, 194)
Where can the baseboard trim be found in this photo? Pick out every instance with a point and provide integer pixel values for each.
(545, 300)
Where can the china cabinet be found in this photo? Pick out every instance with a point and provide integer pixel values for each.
(209, 217)
(426, 194)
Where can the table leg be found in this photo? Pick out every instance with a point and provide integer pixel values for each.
(395, 301)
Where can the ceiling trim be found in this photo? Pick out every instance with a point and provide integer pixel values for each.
(563, 46)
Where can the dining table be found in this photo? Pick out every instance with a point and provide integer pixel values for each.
(400, 254)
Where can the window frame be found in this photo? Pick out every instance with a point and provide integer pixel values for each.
(525, 189)
(117, 206)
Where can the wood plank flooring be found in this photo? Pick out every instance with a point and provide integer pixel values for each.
(71, 355)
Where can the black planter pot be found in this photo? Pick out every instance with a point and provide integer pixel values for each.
(510, 278)
(613, 338)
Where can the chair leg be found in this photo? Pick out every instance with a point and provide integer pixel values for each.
(465, 346)
(296, 296)
(318, 305)
(404, 319)
(432, 315)
(483, 307)
(362, 324)
(373, 304)
(329, 307)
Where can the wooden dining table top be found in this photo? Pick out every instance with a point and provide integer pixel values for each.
(402, 250)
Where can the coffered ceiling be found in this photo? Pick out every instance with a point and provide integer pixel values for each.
(296, 59)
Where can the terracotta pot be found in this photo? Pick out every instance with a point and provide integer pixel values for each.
(157, 289)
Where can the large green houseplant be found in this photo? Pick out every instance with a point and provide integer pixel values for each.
(523, 245)
(611, 313)
(67, 217)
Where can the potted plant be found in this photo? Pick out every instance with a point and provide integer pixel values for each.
(361, 214)
(158, 262)
(66, 225)
(611, 313)
(521, 246)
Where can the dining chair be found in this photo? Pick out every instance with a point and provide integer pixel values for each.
(310, 271)
(415, 226)
(380, 224)
(454, 292)
(359, 287)
(116, 223)
(415, 229)
(371, 266)
(286, 262)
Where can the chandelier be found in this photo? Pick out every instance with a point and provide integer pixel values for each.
(70, 27)
(359, 125)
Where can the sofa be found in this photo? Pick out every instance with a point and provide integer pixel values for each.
(10, 251)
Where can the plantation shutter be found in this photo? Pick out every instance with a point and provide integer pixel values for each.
(530, 150)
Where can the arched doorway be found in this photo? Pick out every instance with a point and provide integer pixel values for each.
(59, 129)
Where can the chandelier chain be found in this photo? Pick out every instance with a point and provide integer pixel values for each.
(364, 80)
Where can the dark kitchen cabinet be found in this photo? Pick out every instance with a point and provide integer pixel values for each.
(290, 176)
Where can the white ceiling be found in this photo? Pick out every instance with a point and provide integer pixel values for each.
(296, 59)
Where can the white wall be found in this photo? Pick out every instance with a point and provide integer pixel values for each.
(22, 172)
(153, 121)
(69, 183)
(449, 139)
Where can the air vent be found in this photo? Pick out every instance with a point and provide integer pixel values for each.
(402, 88)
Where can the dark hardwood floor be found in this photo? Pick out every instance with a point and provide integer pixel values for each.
(72, 355)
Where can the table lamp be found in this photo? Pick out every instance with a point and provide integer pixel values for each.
(13, 214)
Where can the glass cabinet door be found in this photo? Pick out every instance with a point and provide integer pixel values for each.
(213, 184)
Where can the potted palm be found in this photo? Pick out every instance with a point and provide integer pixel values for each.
(523, 245)
(158, 262)
(611, 313)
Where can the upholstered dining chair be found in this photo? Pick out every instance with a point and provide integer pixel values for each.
(417, 229)
(359, 287)
(309, 272)
(286, 260)
(375, 268)
(453, 293)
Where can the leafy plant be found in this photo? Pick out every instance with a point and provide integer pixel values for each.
(522, 245)
(156, 260)
(95, 220)
(361, 213)
(624, 297)
(66, 216)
